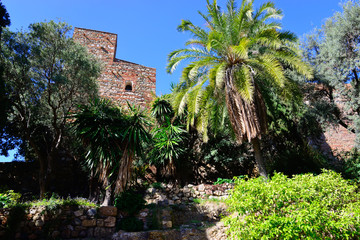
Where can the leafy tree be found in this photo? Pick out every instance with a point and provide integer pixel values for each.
(4, 101)
(4, 18)
(333, 50)
(47, 75)
(239, 55)
(111, 139)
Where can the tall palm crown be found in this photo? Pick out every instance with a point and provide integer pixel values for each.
(240, 52)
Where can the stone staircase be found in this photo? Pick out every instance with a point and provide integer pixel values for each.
(185, 222)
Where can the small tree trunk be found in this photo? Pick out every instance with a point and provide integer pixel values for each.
(258, 157)
(42, 177)
(108, 195)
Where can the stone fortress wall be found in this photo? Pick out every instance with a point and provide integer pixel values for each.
(120, 80)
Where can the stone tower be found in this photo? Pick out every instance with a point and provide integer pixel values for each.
(120, 80)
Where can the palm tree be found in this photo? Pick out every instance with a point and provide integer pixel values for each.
(240, 52)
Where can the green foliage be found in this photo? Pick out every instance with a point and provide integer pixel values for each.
(167, 144)
(223, 151)
(112, 138)
(306, 206)
(333, 51)
(291, 125)
(4, 17)
(223, 180)
(240, 49)
(130, 202)
(162, 110)
(100, 127)
(168, 137)
(46, 76)
(157, 185)
(131, 224)
(9, 198)
(54, 202)
(352, 164)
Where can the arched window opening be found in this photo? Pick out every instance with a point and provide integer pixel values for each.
(128, 87)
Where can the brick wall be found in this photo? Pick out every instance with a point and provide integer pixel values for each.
(339, 139)
(118, 76)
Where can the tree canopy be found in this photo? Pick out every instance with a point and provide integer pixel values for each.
(46, 76)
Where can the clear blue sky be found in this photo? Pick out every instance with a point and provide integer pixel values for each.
(147, 29)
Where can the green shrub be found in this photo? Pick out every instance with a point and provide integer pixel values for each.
(131, 224)
(352, 164)
(55, 202)
(223, 180)
(157, 185)
(129, 202)
(9, 198)
(303, 207)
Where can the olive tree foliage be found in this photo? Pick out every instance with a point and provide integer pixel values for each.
(333, 51)
(4, 22)
(4, 18)
(46, 75)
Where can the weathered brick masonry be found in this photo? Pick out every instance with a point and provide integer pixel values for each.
(120, 80)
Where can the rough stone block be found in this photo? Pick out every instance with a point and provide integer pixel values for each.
(108, 211)
(100, 222)
(90, 232)
(78, 213)
(201, 188)
(39, 223)
(166, 224)
(91, 212)
(89, 223)
(77, 221)
(110, 222)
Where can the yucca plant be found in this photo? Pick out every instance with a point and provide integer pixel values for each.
(229, 63)
(99, 126)
(134, 135)
(168, 136)
(111, 138)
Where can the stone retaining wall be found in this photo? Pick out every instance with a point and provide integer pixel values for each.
(171, 210)
(170, 194)
(63, 223)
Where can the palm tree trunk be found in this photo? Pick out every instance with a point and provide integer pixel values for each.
(258, 157)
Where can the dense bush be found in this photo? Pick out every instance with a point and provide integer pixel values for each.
(352, 164)
(131, 224)
(129, 202)
(303, 207)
